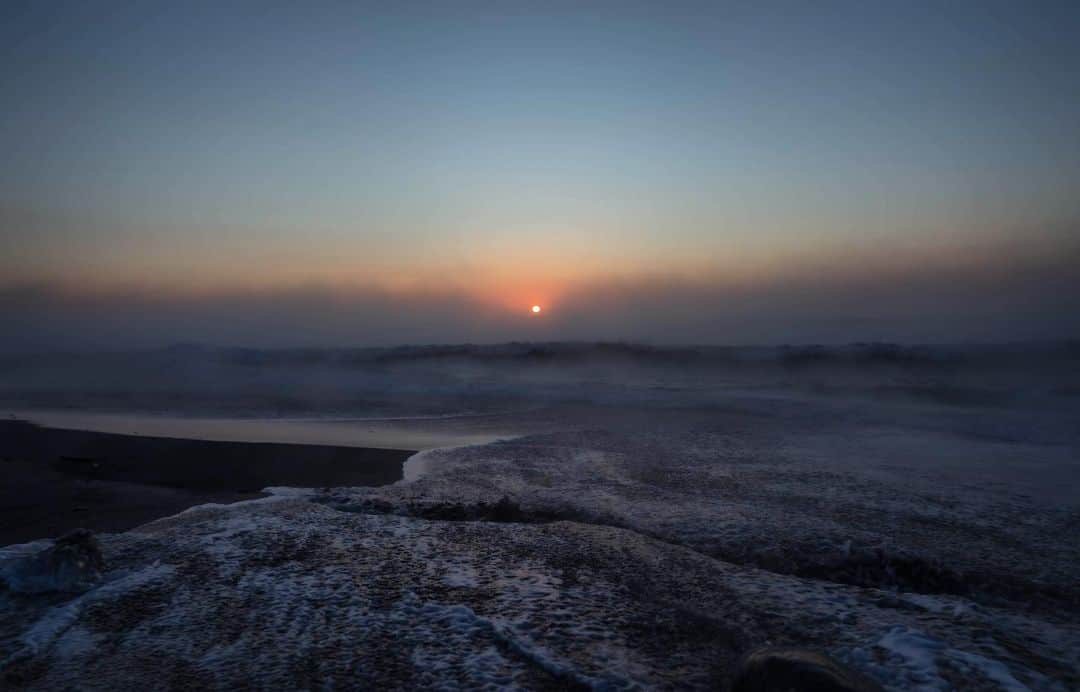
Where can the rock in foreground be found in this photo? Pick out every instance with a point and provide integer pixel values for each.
(777, 669)
(72, 563)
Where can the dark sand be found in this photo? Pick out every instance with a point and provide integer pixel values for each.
(57, 480)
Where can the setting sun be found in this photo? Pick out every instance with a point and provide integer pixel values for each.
(536, 309)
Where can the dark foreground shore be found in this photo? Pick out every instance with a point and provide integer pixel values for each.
(57, 480)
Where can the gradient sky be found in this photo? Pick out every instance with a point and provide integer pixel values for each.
(318, 173)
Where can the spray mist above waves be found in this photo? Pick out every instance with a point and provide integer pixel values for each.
(463, 379)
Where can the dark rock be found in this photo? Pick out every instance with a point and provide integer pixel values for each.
(781, 669)
(506, 510)
(72, 563)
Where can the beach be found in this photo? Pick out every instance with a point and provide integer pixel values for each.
(56, 480)
(580, 520)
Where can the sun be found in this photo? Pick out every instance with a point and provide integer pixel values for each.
(535, 309)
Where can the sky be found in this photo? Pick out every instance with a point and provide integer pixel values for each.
(355, 173)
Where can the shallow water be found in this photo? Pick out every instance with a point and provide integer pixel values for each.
(397, 433)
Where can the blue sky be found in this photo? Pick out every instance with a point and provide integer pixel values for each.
(494, 154)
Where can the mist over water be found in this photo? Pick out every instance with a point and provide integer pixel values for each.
(454, 380)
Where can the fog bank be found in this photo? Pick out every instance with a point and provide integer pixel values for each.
(1011, 298)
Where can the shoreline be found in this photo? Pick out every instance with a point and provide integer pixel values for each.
(59, 479)
(404, 434)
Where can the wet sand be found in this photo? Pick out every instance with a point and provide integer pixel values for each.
(56, 480)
